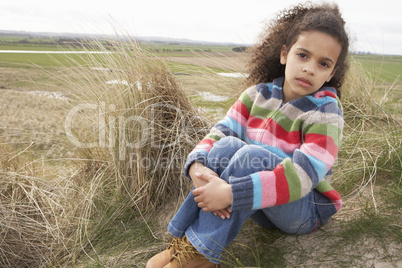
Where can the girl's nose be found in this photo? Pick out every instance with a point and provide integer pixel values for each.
(308, 68)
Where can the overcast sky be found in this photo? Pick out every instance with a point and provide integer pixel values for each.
(375, 26)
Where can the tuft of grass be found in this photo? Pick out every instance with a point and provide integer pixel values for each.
(371, 146)
(368, 172)
(131, 126)
(37, 214)
(143, 123)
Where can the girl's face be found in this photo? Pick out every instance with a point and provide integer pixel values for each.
(310, 62)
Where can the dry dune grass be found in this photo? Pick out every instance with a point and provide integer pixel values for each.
(143, 122)
(371, 140)
(129, 126)
(37, 215)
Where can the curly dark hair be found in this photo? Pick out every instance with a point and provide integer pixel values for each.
(264, 64)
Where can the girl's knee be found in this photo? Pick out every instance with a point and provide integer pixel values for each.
(257, 157)
(229, 141)
(222, 151)
(225, 147)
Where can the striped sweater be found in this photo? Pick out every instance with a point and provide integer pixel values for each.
(305, 132)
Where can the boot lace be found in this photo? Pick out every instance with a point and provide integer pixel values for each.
(174, 243)
(184, 252)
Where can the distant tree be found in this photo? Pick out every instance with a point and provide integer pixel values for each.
(239, 49)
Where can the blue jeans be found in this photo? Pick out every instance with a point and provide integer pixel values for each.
(210, 234)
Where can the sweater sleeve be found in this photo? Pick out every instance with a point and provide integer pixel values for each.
(294, 177)
(233, 124)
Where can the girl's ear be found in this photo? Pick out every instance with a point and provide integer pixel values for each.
(284, 54)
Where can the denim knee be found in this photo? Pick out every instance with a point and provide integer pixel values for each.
(221, 153)
(229, 142)
(257, 158)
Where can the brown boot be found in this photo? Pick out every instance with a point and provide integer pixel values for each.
(187, 256)
(163, 258)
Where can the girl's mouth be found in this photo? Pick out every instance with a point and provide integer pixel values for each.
(304, 82)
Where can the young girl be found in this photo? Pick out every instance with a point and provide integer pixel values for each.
(270, 158)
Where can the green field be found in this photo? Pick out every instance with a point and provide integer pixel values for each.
(51, 59)
(384, 68)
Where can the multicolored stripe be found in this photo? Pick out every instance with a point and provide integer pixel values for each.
(305, 132)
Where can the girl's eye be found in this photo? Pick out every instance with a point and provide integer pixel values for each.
(302, 55)
(324, 64)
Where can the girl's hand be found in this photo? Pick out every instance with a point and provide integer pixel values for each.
(223, 213)
(200, 168)
(215, 195)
